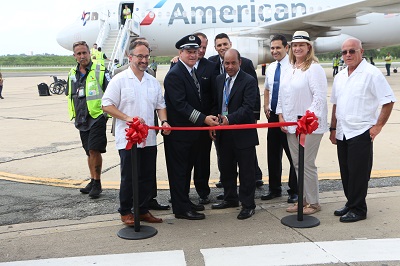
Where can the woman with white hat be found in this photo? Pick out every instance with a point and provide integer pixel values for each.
(306, 90)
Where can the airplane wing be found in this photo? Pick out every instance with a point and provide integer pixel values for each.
(324, 23)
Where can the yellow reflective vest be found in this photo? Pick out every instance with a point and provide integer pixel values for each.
(93, 91)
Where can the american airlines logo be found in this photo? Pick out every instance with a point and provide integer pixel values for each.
(231, 14)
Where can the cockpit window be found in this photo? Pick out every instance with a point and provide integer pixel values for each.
(94, 16)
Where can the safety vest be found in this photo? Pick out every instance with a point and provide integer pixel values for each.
(336, 62)
(127, 13)
(93, 51)
(100, 58)
(388, 59)
(93, 91)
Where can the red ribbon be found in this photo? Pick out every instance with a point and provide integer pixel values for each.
(136, 133)
(306, 125)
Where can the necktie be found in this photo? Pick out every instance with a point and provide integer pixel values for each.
(221, 68)
(275, 88)
(227, 92)
(196, 82)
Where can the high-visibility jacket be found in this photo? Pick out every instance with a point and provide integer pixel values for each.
(388, 59)
(93, 91)
(336, 62)
(127, 13)
(100, 58)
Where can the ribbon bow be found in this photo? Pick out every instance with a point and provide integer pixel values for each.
(136, 133)
(306, 125)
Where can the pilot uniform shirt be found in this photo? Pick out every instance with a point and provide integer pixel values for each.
(134, 98)
(286, 69)
(357, 98)
(301, 91)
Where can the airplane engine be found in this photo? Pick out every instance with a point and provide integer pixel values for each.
(330, 44)
(255, 49)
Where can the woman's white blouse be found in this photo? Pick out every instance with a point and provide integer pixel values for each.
(301, 91)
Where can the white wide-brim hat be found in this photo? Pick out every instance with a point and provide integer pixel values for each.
(301, 36)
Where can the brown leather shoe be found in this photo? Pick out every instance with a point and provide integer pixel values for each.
(148, 217)
(128, 219)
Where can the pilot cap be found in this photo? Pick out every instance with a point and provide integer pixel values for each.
(301, 36)
(188, 42)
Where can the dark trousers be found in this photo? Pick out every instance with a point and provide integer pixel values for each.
(355, 162)
(201, 173)
(276, 144)
(230, 158)
(387, 69)
(180, 157)
(335, 70)
(146, 177)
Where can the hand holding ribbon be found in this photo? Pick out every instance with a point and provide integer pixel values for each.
(136, 133)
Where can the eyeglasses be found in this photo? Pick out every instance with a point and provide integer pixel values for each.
(351, 51)
(140, 56)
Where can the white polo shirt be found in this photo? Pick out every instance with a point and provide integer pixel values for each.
(357, 98)
(134, 98)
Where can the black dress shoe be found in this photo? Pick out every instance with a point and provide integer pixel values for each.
(196, 207)
(204, 201)
(225, 204)
(351, 217)
(293, 198)
(270, 196)
(341, 211)
(190, 215)
(154, 205)
(218, 185)
(259, 183)
(245, 213)
(220, 196)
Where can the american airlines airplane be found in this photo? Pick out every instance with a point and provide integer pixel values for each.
(249, 23)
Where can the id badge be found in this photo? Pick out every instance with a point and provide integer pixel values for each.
(81, 92)
(225, 113)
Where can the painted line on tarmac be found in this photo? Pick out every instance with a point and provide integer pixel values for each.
(165, 258)
(306, 253)
(161, 184)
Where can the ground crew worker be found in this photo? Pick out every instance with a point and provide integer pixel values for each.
(388, 60)
(93, 51)
(126, 13)
(336, 63)
(85, 87)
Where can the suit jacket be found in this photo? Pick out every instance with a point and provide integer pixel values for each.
(248, 67)
(240, 107)
(184, 106)
(206, 76)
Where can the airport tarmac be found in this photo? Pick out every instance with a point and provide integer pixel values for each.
(40, 146)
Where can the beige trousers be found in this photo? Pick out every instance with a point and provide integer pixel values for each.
(311, 187)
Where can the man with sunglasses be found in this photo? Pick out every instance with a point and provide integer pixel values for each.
(358, 91)
(85, 87)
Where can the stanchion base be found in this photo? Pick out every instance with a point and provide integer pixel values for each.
(308, 221)
(130, 233)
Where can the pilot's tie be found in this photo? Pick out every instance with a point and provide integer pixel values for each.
(196, 82)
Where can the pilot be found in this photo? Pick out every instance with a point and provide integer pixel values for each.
(183, 98)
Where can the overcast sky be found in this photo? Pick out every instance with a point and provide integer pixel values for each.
(32, 25)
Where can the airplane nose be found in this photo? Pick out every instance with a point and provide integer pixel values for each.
(64, 40)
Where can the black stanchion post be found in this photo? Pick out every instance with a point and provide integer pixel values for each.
(137, 232)
(300, 221)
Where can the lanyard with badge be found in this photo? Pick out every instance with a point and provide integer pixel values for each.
(227, 92)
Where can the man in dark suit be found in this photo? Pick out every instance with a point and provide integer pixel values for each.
(236, 96)
(222, 43)
(183, 97)
(206, 74)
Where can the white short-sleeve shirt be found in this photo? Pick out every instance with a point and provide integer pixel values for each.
(357, 98)
(134, 98)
